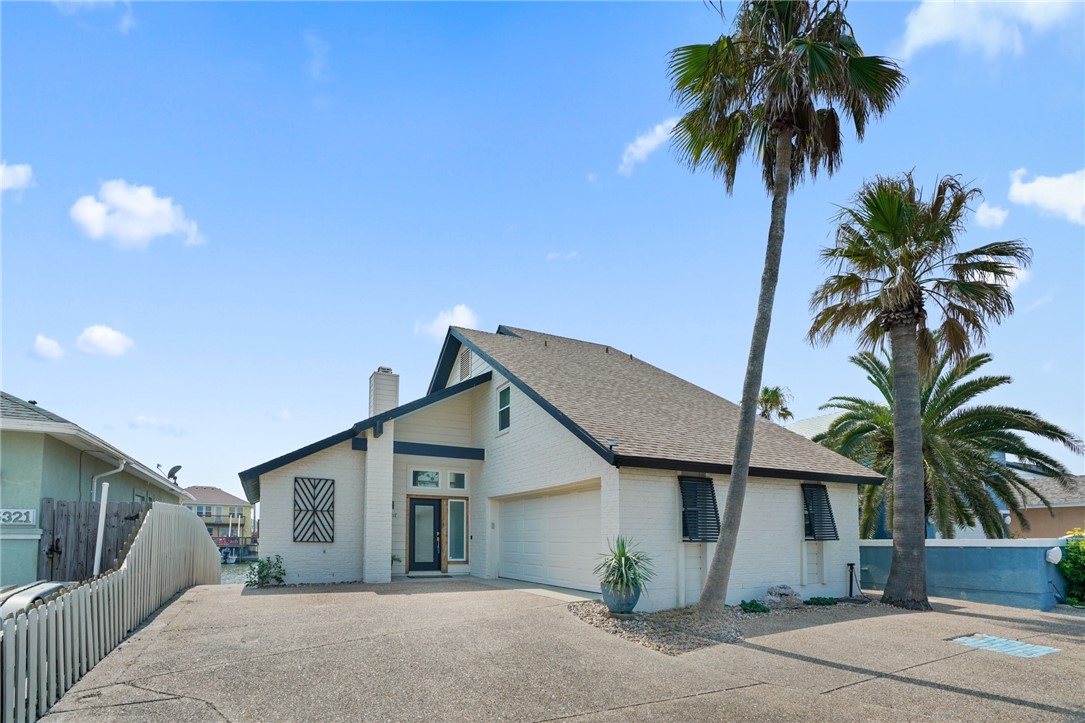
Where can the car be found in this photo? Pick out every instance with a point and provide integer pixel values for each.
(14, 598)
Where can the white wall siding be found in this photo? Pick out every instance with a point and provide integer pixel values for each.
(447, 422)
(305, 562)
(534, 454)
(770, 544)
(377, 518)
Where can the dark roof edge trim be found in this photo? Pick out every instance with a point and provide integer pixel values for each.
(553, 411)
(445, 361)
(252, 474)
(715, 468)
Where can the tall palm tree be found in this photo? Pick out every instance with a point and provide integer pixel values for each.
(772, 402)
(959, 442)
(778, 87)
(895, 251)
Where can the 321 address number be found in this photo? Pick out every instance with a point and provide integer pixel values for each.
(17, 517)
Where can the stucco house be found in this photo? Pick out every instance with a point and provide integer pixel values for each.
(44, 455)
(528, 453)
(1067, 505)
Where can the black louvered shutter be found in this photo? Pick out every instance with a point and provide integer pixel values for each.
(818, 513)
(700, 516)
(314, 509)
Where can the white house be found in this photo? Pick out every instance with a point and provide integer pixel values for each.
(529, 453)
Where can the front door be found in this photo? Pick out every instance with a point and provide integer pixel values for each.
(425, 537)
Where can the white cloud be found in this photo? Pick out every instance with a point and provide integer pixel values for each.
(1019, 277)
(101, 339)
(16, 177)
(1042, 301)
(592, 178)
(458, 315)
(318, 55)
(47, 349)
(644, 145)
(70, 7)
(142, 422)
(132, 216)
(991, 216)
(1057, 195)
(562, 255)
(988, 27)
(281, 414)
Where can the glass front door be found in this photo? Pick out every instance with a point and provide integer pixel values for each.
(425, 537)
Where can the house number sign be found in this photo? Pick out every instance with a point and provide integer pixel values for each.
(18, 517)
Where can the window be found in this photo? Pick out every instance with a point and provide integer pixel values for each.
(457, 530)
(457, 480)
(425, 478)
(314, 509)
(817, 513)
(504, 400)
(700, 516)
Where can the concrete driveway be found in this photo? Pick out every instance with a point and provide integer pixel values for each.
(464, 650)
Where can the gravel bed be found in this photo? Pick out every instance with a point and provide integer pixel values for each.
(684, 629)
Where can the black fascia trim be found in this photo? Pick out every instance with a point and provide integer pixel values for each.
(716, 468)
(449, 351)
(359, 444)
(422, 449)
(253, 473)
(506, 331)
(534, 396)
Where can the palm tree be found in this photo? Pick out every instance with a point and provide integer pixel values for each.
(777, 86)
(772, 402)
(959, 444)
(894, 252)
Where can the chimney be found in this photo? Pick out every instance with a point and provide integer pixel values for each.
(383, 391)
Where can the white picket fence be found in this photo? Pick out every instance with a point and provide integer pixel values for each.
(45, 650)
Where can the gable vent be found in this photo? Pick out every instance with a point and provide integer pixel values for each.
(465, 364)
(818, 513)
(700, 516)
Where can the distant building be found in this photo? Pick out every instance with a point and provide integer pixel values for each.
(44, 455)
(223, 514)
(1067, 505)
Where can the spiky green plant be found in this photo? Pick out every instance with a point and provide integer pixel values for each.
(625, 568)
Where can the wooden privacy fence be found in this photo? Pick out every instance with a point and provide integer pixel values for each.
(69, 531)
(45, 650)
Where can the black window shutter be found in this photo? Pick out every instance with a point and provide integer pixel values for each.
(700, 516)
(818, 514)
(314, 509)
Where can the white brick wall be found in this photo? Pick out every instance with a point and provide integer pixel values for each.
(377, 524)
(336, 561)
(535, 453)
(770, 543)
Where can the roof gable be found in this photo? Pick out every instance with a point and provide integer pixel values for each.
(203, 494)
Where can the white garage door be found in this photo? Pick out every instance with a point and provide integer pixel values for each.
(552, 539)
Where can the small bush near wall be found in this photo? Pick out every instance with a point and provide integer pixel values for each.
(1072, 567)
(269, 571)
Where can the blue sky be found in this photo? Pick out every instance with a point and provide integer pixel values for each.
(218, 219)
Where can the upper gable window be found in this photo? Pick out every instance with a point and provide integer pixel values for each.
(504, 408)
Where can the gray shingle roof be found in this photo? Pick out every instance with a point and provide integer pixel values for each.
(11, 407)
(205, 495)
(652, 414)
(1055, 493)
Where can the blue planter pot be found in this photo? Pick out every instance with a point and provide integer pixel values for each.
(619, 601)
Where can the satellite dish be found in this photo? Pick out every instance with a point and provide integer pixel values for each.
(173, 472)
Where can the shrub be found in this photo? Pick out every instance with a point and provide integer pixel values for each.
(820, 601)
(753, 606)
(1072, 567)
(625, 568)
(269, 571)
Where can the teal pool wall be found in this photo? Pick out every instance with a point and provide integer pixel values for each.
(1013, 575)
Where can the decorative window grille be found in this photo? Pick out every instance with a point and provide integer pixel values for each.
(465, 364)
(314, 509)
(818, 513)
(700, 516)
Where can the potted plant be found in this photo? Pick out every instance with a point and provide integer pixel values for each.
(624, 572)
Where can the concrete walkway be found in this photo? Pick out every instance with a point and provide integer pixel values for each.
(462, 650)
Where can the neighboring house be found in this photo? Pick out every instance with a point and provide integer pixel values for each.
(224, 514)
(44, 455)
(1067, 506)
(529, 453)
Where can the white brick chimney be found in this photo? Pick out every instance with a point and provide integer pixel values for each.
(383, 391)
